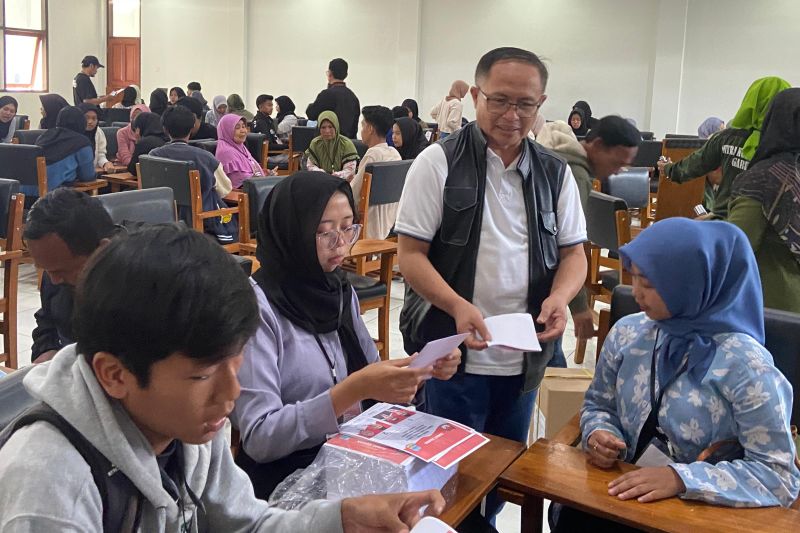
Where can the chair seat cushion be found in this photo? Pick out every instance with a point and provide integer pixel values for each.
(609, 279)
(366, 288)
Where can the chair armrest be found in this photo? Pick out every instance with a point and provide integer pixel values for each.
(366, 247)
(218, 212)
(570, 434)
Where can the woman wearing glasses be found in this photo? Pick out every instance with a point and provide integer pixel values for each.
(311, 361)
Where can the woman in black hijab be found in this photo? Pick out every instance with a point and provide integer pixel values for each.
(590, 121)
(150, 134)
(577, 121)
(67, 151)
(129, 96)
(286, 118)
(408, 137)
(8, 112)
(412, 106)
(158, 101)
(312, 359)
(51, 105)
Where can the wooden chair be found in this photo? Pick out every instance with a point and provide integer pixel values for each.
(22, 122)
(150, 206)
(674, 199)
(27, 165)
(257, 190)
(361, 148)
(115, 114)
(184, 180)
(11, 207)
(299, 141)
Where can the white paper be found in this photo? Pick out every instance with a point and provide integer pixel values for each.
(514, 331)
(652, 456)
(435, 350)
(430, 524)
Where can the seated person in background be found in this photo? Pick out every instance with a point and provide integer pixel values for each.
(447, 113)
(413, 109)
(398, 111)
(159, 101)
(192, 87)
(330, 152)
(709, 127)
(67, 151)
(126, 138)
(311, 361)
(195, 91)
(214, 184)
(689, 372)
(577, 121)
(586, 111)
(62, 230)
(200, 130)
(129, 97)
(96, 136)
(376, 122)
(220, 108)
(732, 148)
(151, 398)
(175, 94)
(52, 104)
(262, 122)
(408, 137)
(236, 160)
(286, 118)
(236, 106)
(149, 135)
(8, 111)
(764, 203)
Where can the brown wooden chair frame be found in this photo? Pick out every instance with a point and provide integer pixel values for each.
(10, 257)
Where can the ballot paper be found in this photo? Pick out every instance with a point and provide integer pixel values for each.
(435, 350)
(514, 331)
(430, 524)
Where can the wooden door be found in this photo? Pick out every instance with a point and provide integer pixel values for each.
(123, 63)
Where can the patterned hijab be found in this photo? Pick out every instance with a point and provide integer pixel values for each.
(714, 288)
(331, 155)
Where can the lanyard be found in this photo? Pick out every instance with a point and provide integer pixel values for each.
(328, 359)
(656, 403)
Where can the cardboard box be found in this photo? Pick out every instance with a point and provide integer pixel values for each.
(561, 396)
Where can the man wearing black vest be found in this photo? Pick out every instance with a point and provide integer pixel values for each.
(491, 223)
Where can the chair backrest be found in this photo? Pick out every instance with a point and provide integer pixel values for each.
(8, 188)
(601, 219)
(20, 162)
(782, 339)
(257, 190)
(28, 136)
(681, 136)
(20, 122)
(433, 126)
(163, 172)
(631, 185)
(111, 141)
(678, 199)
(302, 121)
(648, 154)
(151, 206)
(647, 135)
(361, 148)
(622, 303)
(209, 145)
(116, 115)
(255, 145)
(388, 179)
(678, 148)
(301, 137)
(120, 124)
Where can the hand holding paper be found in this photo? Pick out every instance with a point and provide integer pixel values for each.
(438, 349)
(514, 331)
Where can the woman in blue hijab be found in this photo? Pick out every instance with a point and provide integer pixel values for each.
(689, 372)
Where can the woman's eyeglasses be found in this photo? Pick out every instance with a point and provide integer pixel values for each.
(330, 239)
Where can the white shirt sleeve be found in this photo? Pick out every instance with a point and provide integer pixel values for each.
(222, 182)
(572, 223)
(100, 158)
(420, 212)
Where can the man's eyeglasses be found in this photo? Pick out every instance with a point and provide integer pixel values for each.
(330, 239)
(498, 105)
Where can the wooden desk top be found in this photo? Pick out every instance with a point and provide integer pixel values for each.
(477, 475)
(373, 246)
(120, 176)
(560, 473)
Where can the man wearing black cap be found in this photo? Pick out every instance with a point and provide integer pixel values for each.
(339, 99)
(83, 90)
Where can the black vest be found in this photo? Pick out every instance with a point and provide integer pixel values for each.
(454, 248)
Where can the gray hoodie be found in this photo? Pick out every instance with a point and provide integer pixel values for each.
(47, 486)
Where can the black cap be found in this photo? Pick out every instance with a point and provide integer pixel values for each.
(91, 60)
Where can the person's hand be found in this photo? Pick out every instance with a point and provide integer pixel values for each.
(584, 324)
(647, 484)
(715, 176)
(446, 367)
(108, 166)
(661, 164)
(391, 513)
(603, 448)
(391, 381)
(554, 318)
(470, 319)
(45, 356)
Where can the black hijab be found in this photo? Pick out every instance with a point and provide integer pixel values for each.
(52, 105)
(590, 121)
(287, 108)
(90, 134)
(291, 276)
(413, 107)
(5, 126)
(584, 129)
(414, 140)
(67, 137)
(149, 125)
(159, 101)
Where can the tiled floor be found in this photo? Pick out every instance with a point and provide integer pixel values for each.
(509, 519)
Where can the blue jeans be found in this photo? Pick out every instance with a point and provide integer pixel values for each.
(489, 404)
(558, 360)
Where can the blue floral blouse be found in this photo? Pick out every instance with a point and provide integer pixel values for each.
(743, 396)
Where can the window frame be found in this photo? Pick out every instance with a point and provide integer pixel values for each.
(43, 37)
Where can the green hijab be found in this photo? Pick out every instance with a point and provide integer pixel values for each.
(753, 110)
(331, 155)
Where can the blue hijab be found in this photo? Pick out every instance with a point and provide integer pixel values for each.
(706, 274)
(709, 127)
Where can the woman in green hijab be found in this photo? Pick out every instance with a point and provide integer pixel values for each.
(331, 152)
(236, 106)
(730, 149)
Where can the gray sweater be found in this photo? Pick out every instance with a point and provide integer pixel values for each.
(47, 486)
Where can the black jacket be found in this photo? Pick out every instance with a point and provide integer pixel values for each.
(264, 124)
(53, 328)
(342, 101)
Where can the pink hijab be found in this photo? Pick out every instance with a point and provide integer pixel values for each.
(234, 157)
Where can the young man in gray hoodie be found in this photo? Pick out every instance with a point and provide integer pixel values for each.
(161, 317)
